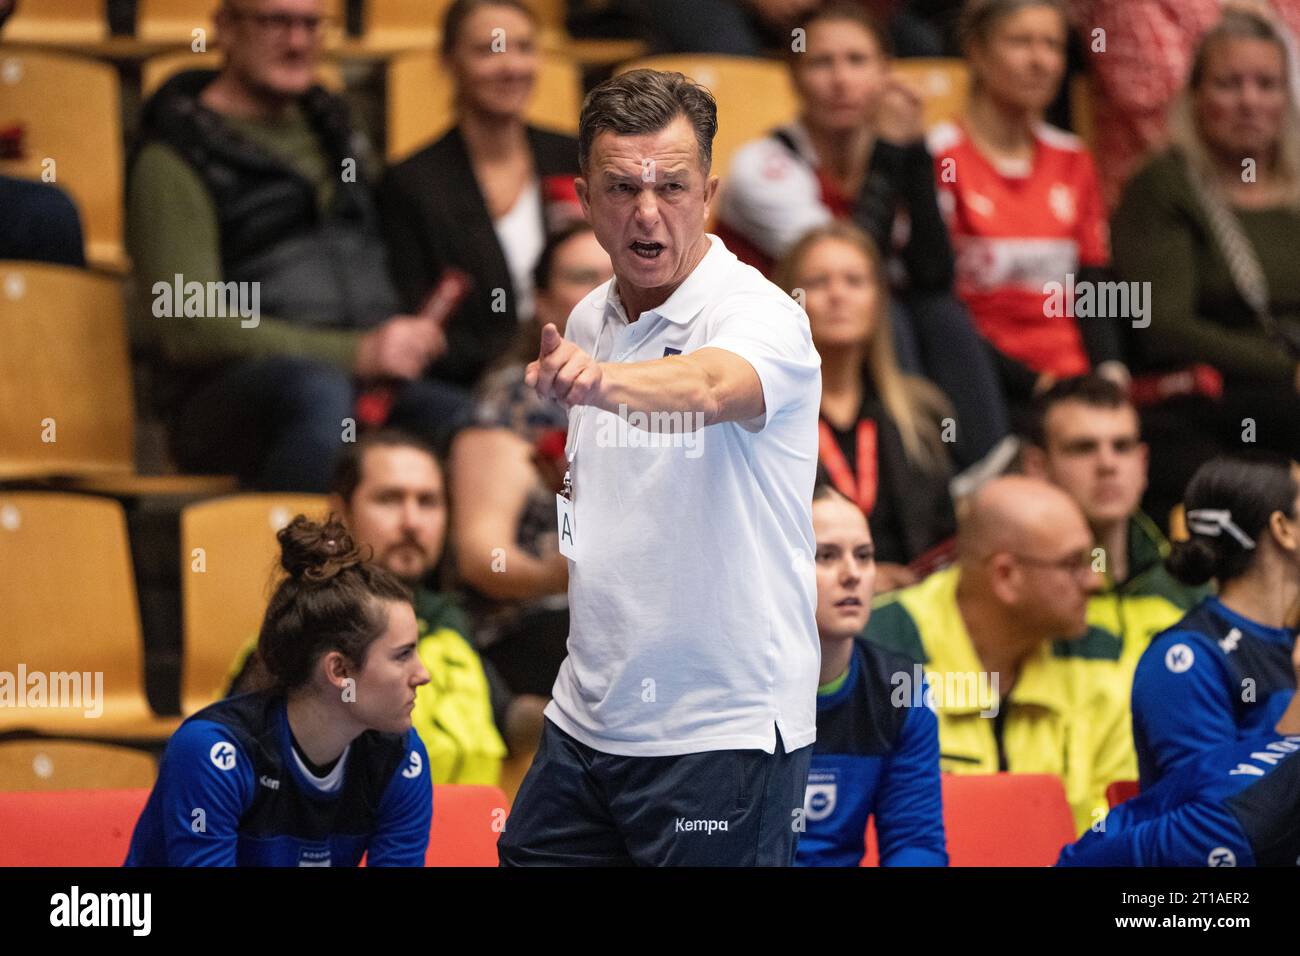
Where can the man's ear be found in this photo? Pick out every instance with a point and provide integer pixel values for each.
(710, 193)
(1004, 578)
(580, 186)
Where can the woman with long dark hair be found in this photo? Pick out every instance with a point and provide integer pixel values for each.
(1224, 671)
(324, 767)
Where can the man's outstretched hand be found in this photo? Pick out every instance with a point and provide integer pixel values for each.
(563, 371)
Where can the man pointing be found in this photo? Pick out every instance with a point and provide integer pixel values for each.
(682, 721)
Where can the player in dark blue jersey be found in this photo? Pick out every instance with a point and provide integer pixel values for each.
(877, 750)
(1235, 805)
(1224, 672)
(325, 767)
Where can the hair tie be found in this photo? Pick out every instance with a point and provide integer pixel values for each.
(1213, 522)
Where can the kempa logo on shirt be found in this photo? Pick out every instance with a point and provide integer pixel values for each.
(708, 827)
(652, 430)
(133, 910)
(84, 689)
(222, 755)
(267, 782)
(1098, 300)
(1179, 658)
(201, 300)
(955, 689)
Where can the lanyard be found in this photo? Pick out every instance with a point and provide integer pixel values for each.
(863, 491)
(575, 432)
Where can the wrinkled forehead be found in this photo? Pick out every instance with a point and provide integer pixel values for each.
(671, 151)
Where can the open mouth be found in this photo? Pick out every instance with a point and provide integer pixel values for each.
(647, 250)
(848, 602)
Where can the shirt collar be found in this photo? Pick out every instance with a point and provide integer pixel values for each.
(689, 298)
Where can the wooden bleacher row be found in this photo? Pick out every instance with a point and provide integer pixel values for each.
(70, 607)
(69, 108)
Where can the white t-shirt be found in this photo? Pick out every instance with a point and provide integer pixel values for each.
(692, 600)
(522, 238)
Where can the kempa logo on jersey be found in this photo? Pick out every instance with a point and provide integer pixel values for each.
(84, 689)
(707, 827)
(133, 910)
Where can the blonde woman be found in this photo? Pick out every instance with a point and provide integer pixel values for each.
(881, 431)
(1213, 223)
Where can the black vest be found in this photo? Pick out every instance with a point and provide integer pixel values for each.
(1247, 657)
(323, 269)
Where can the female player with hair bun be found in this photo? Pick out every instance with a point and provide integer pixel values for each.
(1224, 671)
(324, 767)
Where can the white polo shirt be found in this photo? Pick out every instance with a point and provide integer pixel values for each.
(693, 597)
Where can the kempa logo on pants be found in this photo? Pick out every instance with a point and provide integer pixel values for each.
(133, 910)
(701, 826)
(84, 689)
(199, 300)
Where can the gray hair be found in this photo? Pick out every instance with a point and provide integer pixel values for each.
(647, 101)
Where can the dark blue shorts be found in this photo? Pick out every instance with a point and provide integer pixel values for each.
(580, 807)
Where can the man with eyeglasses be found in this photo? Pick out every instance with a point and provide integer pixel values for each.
(1008, 694)
(252, 182)
(1084, 438)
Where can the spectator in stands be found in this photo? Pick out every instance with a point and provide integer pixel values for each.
(881, 430)
(254, 177)
(333, 739)
(1023, 205)
(1138, 63)
(857, 151)
(505, 470)
(40, 221)
(872, 758)
(1009, 697)
(1085, 439)
(388, 489)
(1211, 224)
(1234, 805)
(1224, 671)
(483, 197)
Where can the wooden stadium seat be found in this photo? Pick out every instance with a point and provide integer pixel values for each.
(420, 107)
(70, 109)
(64, 362)
(753, 95)
(73, 765)
(63, 22)
(395, 25)
(69, 606)
(157, 70)
(1119, 791)
(174, 21)
(466, 823)
(68, 827)
(1081, 114)
(223, 604)
(1003, 819)
(943, 82)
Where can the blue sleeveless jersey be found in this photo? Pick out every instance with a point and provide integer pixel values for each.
(230, 792)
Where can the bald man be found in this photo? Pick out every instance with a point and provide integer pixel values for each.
(1010, 692)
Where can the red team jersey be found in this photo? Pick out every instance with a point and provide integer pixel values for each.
(1015, 231)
